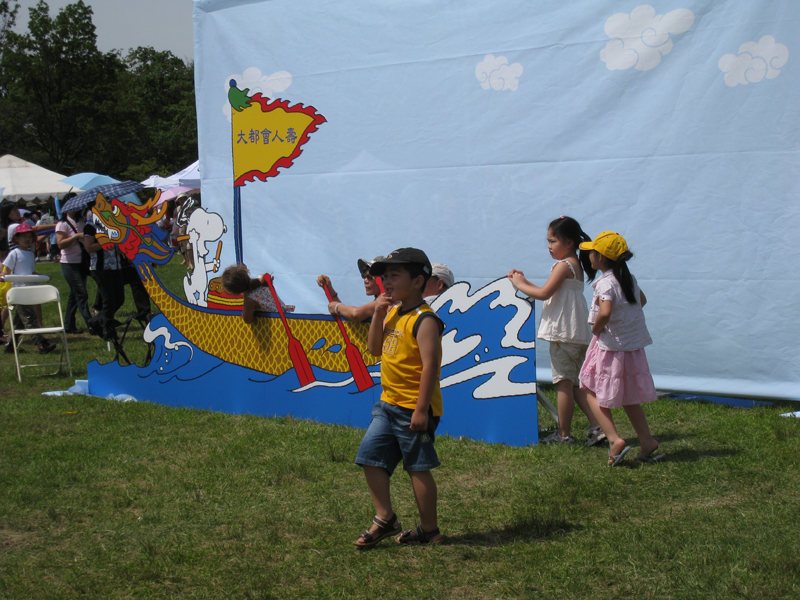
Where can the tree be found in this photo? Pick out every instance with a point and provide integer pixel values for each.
(59, 85)
(159, 88)
(68, 106)
(8, 18)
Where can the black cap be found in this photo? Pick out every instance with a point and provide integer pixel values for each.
(401, 256)
(364, 265)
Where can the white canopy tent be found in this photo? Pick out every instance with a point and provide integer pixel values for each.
(158, 182)
(188, 178)
(21, 180)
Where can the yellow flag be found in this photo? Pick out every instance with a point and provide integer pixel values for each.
(267, 135)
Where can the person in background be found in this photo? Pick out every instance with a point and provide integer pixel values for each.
(441, 279)
(5, 221)
(69, 236)
(21, 261)
(10, 218)
(105, 267)
(187, 205)
(256, 293)
(48, 239)
(141, 299)
(354, 313)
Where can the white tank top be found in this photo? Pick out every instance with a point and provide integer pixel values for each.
(565, 315)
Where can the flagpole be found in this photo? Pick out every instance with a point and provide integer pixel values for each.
(237, 223)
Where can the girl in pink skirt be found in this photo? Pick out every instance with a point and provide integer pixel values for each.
(615, 373)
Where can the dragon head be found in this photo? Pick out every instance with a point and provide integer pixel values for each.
(132, 228)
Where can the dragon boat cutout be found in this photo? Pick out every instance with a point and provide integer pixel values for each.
(262, 346)
(306, 365)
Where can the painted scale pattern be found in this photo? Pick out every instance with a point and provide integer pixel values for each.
(262, 346)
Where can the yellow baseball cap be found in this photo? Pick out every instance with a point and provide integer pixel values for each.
(609, 244)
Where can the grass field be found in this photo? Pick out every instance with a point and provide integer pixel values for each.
(100, 499)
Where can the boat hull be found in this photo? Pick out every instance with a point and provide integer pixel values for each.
(263, 345)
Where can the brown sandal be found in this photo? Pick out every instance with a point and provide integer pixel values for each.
(368, 538)
(418, 536)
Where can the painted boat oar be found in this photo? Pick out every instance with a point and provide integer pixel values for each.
(296, 352)
(353, 354)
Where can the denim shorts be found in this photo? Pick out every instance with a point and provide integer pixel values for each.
(389, 440)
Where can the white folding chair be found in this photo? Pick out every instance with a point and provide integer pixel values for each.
(31, 295)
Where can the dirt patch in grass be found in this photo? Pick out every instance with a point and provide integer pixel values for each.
(15, 539)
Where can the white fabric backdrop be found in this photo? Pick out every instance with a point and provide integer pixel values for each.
(464, 129)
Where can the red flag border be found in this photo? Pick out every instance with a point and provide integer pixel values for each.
(286, 161)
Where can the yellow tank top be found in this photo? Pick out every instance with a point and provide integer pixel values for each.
(401, 365)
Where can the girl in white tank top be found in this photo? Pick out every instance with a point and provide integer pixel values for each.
(565, 323)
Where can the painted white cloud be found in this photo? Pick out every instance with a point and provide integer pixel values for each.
(268, 86)
(640, 39)
(754, 62)
(495, 73)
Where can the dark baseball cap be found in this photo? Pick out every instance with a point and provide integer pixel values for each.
(401, 256)
(364, 265)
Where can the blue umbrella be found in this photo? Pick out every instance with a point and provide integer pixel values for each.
(87, 181)
(111, 190)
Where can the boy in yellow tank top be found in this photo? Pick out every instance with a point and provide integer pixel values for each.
(407, 335)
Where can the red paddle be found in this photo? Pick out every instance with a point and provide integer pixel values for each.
(379, 281)
(296, 353)
(353, 355)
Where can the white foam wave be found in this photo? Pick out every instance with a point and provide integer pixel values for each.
(332, 384)
(499, 384)
(453, 350)
(461, 300)
(150, 336)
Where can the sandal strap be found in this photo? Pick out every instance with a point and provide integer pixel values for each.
(384, 528)
(418, 535)
(366, 535)
(427, 535)
(385, 524)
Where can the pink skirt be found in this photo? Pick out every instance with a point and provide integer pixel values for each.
(617, 378)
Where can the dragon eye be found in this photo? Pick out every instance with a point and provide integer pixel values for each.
(115, 210)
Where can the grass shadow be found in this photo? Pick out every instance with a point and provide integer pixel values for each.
(693, 455)
(530, 528)
(678, 456)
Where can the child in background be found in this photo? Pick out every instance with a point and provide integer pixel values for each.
(257, 295)
(21, 261)
(616, 373)
(565, 323)
(407, 335)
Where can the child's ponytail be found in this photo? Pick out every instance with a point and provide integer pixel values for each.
(583, 256)
(623, 275)
(568, 229)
